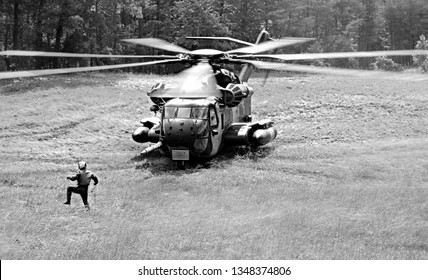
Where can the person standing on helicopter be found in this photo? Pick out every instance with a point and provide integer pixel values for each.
(83, 178)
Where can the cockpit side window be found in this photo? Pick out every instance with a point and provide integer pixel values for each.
(199, 113)
(213, 118)
(169, 112)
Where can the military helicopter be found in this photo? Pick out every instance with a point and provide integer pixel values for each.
(211, 107)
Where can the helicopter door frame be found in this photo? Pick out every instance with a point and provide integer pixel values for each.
(212, 109)
(216, 133)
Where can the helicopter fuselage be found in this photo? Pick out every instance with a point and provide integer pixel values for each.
(201, 127)
(191, 128)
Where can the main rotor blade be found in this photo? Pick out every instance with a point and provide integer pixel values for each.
(34, 73)
(338, 71)
(222, 38)
(157, 44)
(270, 45)
(81, 55)
(311, 56)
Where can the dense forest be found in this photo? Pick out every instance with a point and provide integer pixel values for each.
(97, 26)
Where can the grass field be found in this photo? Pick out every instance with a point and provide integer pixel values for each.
(347, 177)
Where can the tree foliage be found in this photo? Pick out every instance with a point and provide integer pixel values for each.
(97, 26)
(386, 64)
(422, 60)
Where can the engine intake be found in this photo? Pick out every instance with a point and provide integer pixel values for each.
(234, 93)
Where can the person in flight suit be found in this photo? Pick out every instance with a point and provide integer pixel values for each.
(83, 178)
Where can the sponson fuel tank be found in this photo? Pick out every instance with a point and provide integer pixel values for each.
(148, 132)
(257, 134)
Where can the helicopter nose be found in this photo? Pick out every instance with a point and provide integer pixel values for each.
(180, 132)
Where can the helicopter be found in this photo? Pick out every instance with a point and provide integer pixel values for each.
(210, 108)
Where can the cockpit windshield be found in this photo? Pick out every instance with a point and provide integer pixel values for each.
(199, 113)
(184, 113)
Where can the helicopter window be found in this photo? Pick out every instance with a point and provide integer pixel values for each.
(184, 113)
(202, 130)
(200, 113)
(169, 112)
(213, 118)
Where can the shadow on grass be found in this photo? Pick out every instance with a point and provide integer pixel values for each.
(159, 163)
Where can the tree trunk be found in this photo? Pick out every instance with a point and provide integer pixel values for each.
(58, 36)
(15, 34)
(6, 44)
(39, 34)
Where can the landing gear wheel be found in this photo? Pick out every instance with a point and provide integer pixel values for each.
(181, 164)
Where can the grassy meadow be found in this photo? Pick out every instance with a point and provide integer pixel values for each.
(346, 178)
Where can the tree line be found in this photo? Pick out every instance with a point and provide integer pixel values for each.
(97, 26)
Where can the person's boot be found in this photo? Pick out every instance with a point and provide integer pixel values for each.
(68, 196)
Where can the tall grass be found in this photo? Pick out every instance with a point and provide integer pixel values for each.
(345, 179)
